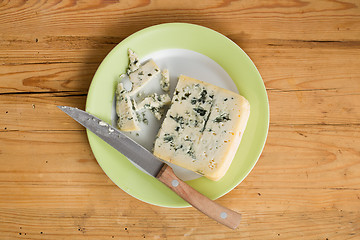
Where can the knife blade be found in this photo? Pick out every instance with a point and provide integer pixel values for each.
(153, 166)
(115, 138)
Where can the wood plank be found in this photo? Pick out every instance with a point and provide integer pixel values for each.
(336, 107)
(320, 20)
(310, 156)
(74, 77)
(39, 111)
(91, 50)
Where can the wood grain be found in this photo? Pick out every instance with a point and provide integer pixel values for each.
(306, 183)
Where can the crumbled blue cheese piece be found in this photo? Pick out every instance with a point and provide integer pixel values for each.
(203, 128)
(125, 110)
(134, 62)
(165, 80)
(143, 75)
(155, 104)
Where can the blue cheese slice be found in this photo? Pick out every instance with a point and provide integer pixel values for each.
(203, 128)
(127, 119)
(155, 103)
(143, 75)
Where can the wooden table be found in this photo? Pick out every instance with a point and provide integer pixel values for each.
(306, 184)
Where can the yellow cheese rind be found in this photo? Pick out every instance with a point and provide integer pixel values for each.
(211, 144)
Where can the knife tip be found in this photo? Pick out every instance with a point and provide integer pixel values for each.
(65, 108)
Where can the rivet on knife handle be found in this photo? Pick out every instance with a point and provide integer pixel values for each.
(210, 208)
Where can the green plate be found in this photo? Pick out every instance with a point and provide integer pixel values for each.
(211, 44)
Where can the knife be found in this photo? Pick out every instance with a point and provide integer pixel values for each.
(153, 166)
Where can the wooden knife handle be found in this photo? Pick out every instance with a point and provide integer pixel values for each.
(210, 208)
